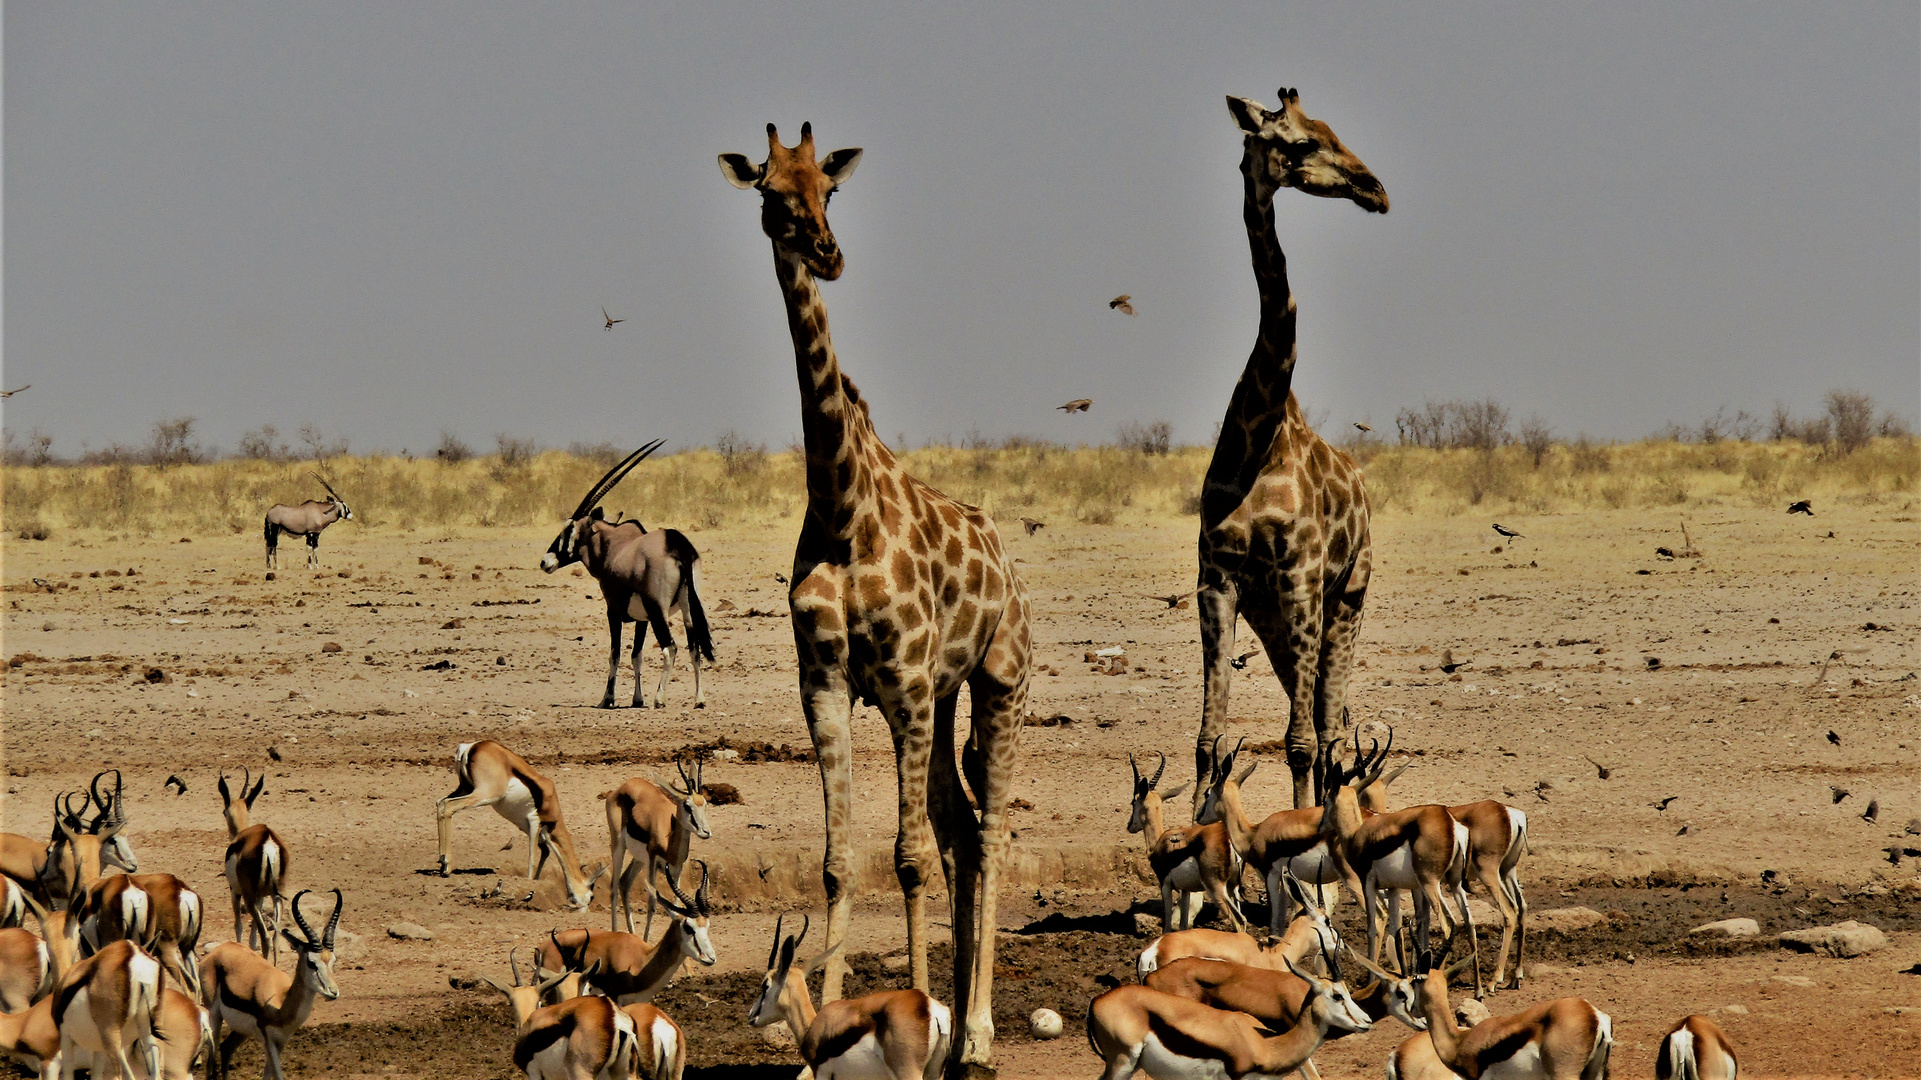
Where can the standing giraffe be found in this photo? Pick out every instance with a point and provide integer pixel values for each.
(1284, 531)
(900, 596)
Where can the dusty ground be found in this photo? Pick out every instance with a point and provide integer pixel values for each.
(1561, 632)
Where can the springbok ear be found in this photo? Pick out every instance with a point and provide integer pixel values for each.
(503, 990)
(739, 171)
(1249, 115)
(1175, 791)
(839, 166)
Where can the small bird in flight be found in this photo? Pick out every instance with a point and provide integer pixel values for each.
(780, 577)
(1872, 812)
(1240, 662)
(1805, 506)
(174, 781)
(1171, 601)
(610, 319)
(1123, 304)
(1839, 793)
(1507, 532)
(1448, 663)
(1603, 770)
(1032, 526)
(10, 393)
(1361, 427)
(1662, 805)
(1079, 404)
(1834, 738)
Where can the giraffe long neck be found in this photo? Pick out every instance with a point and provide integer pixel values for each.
(1259, 404)
(834, 424)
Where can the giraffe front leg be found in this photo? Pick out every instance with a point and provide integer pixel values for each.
(828, 710)
(910, 716)
(1218, 604)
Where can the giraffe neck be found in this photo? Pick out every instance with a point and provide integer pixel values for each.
(835, 429)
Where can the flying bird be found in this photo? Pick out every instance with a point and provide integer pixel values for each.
(1448, 663)
(1240, 662)
(10, 393)
(1894, 854)
(173, 782)
(1872, 812)
(274, 753)
(780, 577)
(1662, 805)
(1123, 304)
(1173, 600)
(1032, 526)
(1805, 506)
(1358, 426)
(1603, 770)
(1839, 793)
(1507, 532)
(1079, 404)
(1833, 738)
(610, 319)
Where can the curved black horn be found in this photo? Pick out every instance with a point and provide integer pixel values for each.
(700, 894)
(773, 954)
(312, 939)
(1134, 766)
(333, 923)
(1159, 771)
(805, 922)
(513, 963)
(674, 883)
(614, 476)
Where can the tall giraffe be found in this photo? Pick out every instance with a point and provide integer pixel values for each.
(900, 596)
(1284, 518)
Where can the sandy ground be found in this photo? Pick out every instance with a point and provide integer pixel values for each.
(1714, 680)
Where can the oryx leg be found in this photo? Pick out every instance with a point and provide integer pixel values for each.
(638, 662)
(693, 653)
(613, 655)
(664, 637)
(313, 550)
(444, 812)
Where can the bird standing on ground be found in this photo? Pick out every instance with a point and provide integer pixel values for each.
(1079, 404)
(1599, 768)
(1507, 532)
(1872, 812)
(610, 319)
(1032, 526)
(1834, 738)
(10, 393)
(1805, 506)
(1123, 304)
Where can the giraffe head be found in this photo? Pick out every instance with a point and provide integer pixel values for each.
(1287, 148)
(794, 190)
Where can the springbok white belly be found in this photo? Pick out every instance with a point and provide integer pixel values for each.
(861, 1061)
(517, 804)
(1314, 866)
(1395, 870)
(1157, 1061)
(1524, 1065)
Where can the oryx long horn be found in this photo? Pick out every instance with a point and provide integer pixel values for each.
(329, 487)
(614, 476)
(333, 922)
(302, 919)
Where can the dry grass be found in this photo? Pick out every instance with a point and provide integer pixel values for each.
(1093, 485)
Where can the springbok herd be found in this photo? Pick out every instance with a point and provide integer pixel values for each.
(900, 598)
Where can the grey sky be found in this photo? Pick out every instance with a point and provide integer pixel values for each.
(392, 219)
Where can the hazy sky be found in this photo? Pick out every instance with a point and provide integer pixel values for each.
(393, 219)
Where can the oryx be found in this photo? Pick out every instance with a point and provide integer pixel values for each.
(643, 576)
(306, 519)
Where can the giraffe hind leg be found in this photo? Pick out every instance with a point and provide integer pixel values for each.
(1218, 606)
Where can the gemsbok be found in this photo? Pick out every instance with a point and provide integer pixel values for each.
(892, 1035)
(580, 1038)
(489, 774)
(644, 576)
(255, 866)
(655, 826)
(625, 967)
(1563, 1039)
(247, 993)
(307, 519)
(1696, 1048)
(104, 1009)
(1135, 1029)
(1186, 860)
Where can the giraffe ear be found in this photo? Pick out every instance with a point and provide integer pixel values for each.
(839, 165)
(739, 171)
(1249, 115)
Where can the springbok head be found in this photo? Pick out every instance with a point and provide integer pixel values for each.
(1332, 998)
(1344, 783)
(316, 951)
(239, 811)
(795, 189)
(334, 500)
(783, 988)
(526, 996)
(693, 801)
(691, 915)
(1286, 148)
(566, 547)
(1212, 806)
(1146, 799)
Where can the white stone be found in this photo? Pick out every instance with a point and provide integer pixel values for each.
(1471, 1011)
(406, 931)
(1733, 928)
(1044, 1024)
(1565, 920)
(1843, 939)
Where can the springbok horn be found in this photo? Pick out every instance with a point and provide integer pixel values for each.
(1158, 772)
(333, 922)
(700, 894)
(773, 954)
(805, 922)
(513, 963)
(673, 883)
(312, 938)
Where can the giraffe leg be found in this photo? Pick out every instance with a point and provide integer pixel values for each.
(1218, 603)
(1292, 647)
(1340, 630)
(829, 709)
(910, 716)
(954, 831)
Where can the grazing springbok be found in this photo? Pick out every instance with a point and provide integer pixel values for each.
(625, 967)
(655, 825)
(157, 912)
(580, 1038)
(26, 969)
(256, 867)
(1186, 860)
(257, 1000)
(1563, 1039)
(182, 1027)
(489, 774)
(662, 1047)
(1136, 1029)
(1696, 1048)
(644, 576)
(104, 1008)
(306, 519)
(892, 1035)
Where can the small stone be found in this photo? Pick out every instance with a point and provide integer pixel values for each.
(1793, 980)
(349, 946)
(331, 646)
(406, 931)
(1732, 928)
(1914, 826)
(1471, 1011)
(1565, 920)
(1044, 1024)
(726, 753)
(1146, 925)
(466, 980)
(896, 963)
(1844, 939)
(453, 624)
(1734, 1010)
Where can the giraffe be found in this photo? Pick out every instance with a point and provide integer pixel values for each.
(900, 596)
(1284, 516)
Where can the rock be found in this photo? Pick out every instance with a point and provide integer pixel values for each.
(1565, 920)
(466, 980)
(330, 646)
(1732, 928)
(1471, 1011)
(1044, 1024)
(1734, 1010)
(1549, 969)
(1793, 980)
(349, 946)
(896, 963)
(406, 931)
(1843, 939)
(777, 1036)
(1146, 925)
(726, 753)
(1914, 826)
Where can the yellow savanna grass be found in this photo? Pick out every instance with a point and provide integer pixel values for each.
(1093, 485)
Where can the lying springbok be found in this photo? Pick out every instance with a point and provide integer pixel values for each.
(644, 576)
(1564, 1039)
(104, 1008)
(256, 868)
(307, 519)
(1189, 860)
(257, 1000)
(625, 967)
(895, 1034)
(1696, 1048)
(580, 1038)
(655, 825)
(1135, 1029)
(662, 1047)
(157, 912)
(489, 774)
(182, 1027)
(26, 969)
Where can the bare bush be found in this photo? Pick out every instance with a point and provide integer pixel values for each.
(315, 446)
(263, 444)
(740, 456)
(1478, 425)
(511, 458)
(37, 451)
(1893, 427)
(602, 453)
(451, 450)
(1851, 418)
(1153, 439)
(172, 443)
(1426, 426)
(1538, 437)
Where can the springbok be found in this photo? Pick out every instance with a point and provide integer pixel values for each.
(26, 969)
(307, 519)
(895, 1034)
(628, 969)
(182, 1027)
(255, 865)
(1305, 937)
(489, 774)
(13, 903)
(1696, 1048)
(1135, 1029)
(82, 849)
(104, 1007)
(1189, 860)
(656, 826)
(158, 912)
(661, 1045)
(644, 576)
(1563, 1039)
(580, 1038)
(247, 993)
(31, 1037)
